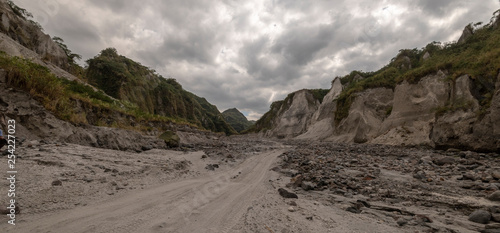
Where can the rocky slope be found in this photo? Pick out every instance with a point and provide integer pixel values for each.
(127, 80)
(50, 103)
(442, 96)
(17, 25)
(236, 119)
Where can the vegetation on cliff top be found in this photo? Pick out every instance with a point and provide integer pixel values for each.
(131, 82)
(478, 56)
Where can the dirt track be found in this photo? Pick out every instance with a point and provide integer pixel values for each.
(213, 203)
(232, 187)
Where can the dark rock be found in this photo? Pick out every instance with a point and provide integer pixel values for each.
(423, 218)
(420, 175)
(480, 216)
(491, 228)
(297, 180)
(495, 217)
(494, 209)
(147, 147)
(286, 194)
(204, 156)
(494, 196)
(469, 176)
(364, 203)
(495, 175)
(212, 167)
(7, 211)
(289, 172)
(56, 183)
(292, 203)
(310, 218)
(402, 221)
(353, 210)
(490, 231)
(443, 161)
(171, 138)
(307, 186)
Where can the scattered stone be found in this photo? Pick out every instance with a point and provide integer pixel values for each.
(495, 175)
(212, 167)
(495, 217)
(291, 209)
(297, 180)
(480, 216)
(286, 194)
(491, 228)
(420, 175)
(307, 186)
(353, 210)
(364, 203)
(147, 147)
(292, 203)
(469, 176)
(87, 179)
(494, 196)
(56, 183)
(204, 156)
(444, 161)
(310, 218)
(402, 221)
(423, 218)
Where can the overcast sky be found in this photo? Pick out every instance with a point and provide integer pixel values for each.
(246, 54)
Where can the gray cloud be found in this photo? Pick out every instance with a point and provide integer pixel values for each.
(246, 54)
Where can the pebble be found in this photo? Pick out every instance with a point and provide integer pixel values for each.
(56, 183)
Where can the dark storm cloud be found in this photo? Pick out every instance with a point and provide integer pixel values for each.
(299, 45)
(113, 5)
(438, 8)
(246, 54)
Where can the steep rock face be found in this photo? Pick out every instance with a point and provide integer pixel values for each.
(366, 114)
(294, 115)
(321, 125)
(466, 34)
(125, 79)
(34, 122)
(435, 112)
(13, 48)
(413, 112)
(28, 34)
(462, 128)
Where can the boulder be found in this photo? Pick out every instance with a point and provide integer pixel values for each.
(494, 196)
(286, 194)
(170, 138)
(480, 216)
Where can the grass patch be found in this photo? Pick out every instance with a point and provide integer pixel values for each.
(478, 57)
(59, 95)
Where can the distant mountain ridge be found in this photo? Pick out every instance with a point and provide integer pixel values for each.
(237, 120)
